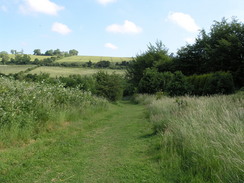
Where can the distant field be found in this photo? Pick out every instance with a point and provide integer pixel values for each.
(81, 58)
(66, 71)
(12, 69)
(94, 59)
(33, 57)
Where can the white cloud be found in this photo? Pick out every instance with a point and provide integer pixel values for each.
(3, 8)
(40, 6)
(185, 21)
(61, 28)
(104, 2)
(111, 46)
(190, 40)
(127, 28)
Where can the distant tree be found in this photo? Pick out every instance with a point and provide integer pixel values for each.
(57, 52)
(102, 64)
(37, 52)
(13, 52)
(73, 52)
(49, 53)
(66, 54)
(4, 56)
(22, 59)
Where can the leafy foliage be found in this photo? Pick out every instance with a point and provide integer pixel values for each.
(110, 86)
(222, 49)
(154, 57)
(27, 108)
(213, 83)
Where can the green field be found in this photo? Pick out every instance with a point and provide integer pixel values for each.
(12, 69)
(80, 58)
(94, 59)
(66, 71)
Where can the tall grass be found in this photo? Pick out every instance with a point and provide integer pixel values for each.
(202, 138)
(29, 108)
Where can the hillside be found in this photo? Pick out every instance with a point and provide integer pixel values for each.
(80, 58)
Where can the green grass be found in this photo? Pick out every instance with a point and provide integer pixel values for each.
(66, 71)
(12, 69)
(109, 146)
(94, 59)
(80, 58)
(202, 138)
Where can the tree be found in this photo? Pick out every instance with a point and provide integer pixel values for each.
(73, 52)
(13, 52)
(57, 52)
(37, 52)
(154, 57)
(222, 49)
(49, 53)
(22, 59)
(4, 56)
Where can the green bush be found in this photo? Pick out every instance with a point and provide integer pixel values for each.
(154, 81)
(213, 83)
(110, 86)
(27, 108)
(178, 85)
(85, 83)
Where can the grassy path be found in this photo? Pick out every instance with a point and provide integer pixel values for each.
(108, 147)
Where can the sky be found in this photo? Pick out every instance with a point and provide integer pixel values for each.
(121, 28)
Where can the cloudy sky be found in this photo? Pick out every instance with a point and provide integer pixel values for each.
(108, 27)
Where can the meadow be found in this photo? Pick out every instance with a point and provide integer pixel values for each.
(12, 69)
(201, 137)
(66, 71)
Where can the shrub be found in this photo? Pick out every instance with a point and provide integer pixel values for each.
(110, 86)
(178, 85)
(213, 83)
(27, 108)
(154, 81)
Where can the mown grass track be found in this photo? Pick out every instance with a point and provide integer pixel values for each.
(110, 146)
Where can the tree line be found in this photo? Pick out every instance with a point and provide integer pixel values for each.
(213, 64)
(21, 58)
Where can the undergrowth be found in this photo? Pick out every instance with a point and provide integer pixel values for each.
(26, 109)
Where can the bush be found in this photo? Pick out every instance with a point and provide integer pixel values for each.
(154, 81)
(178, 85)
(213, 83)
(85, 83)
(27, 108)
(110, 86)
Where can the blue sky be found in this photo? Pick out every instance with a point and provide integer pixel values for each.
(108, 27)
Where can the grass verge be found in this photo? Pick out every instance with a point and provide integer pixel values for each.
(202, 138)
